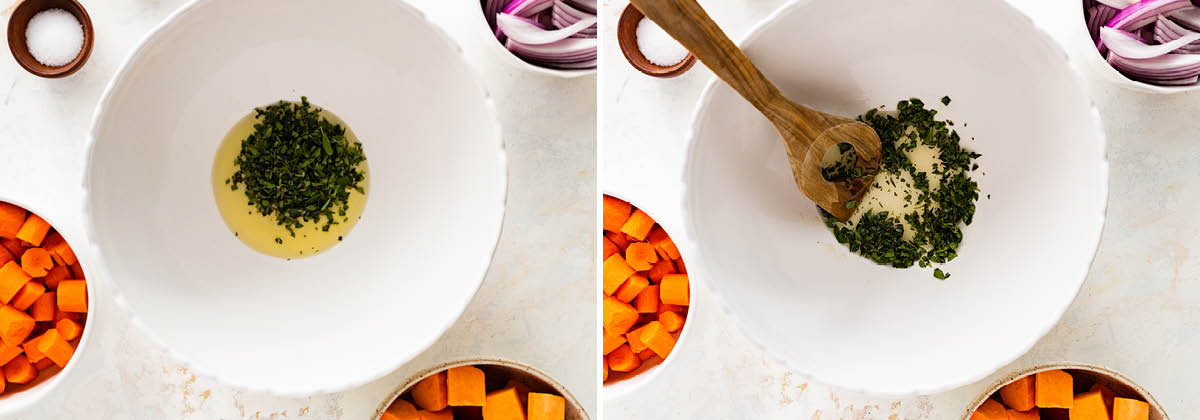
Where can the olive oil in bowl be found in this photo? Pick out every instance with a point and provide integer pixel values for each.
(269, 233)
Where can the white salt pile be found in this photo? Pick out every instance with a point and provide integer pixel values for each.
(54, 37)
(657, 46)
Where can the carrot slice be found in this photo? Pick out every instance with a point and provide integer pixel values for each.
(11, 219)
(15, 325)
(632, 287)
(641, 256)
(619, 316)
(77, 271)
(646, 302)
(44, 307)
(32, 352)
(14, 246)
(673, 289)
(616, 212)
(660, 269)
(5, 256)
(56, 275)
(20, 371)
(634, 339)
(638, 225)
(657, 338)
(72, 296)
(608, 248)
(34, 230)
(673, 321)
(612, 341)
(69, 329)
(443, 414)
(12, 279)
(36, 262)
(56, 348)
(616, 271)
(7, 353)
(29, 294)
(623, 360)
(619, 239)
(663, 243)
(59, 250)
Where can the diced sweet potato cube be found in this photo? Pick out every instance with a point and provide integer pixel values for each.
(1089, 406)
(546, 407)
(443, 414)
(1108, 395)
(430, 394)
(1127, 409)
(1031, 414)
(1019, 394)
(401, 410)
(990, 410)
(504, 404)
(7, 353)
(619, 239)
(465, 386)
(1053, 389)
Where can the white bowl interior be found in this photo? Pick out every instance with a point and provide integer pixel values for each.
(397, 281)
(839, 317)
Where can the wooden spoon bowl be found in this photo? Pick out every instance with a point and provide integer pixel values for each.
(627, 38)
(19, 22)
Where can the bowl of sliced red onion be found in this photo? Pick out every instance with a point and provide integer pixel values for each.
(1147, 45)
(556, 37)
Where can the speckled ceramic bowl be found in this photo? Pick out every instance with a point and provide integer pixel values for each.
(483, 35)
(1122, 386)
(1079, 42)
(19, 398)
(536, 380)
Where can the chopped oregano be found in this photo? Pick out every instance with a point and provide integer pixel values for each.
(298, 166)
(935, 216)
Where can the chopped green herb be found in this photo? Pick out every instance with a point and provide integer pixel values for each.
(850, 204)
(298, 166)
(940, 275)
(946, 101)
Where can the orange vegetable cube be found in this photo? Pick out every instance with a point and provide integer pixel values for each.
(32, 352)
(1127, 409)
(673, 321)
(1108, 395)
(657, 338)
(634, 339)
(20, 371)
(7, 353)
(646, 354)
(619, 239)
(29, 294)
(990, 410)
(663, 243)
(12, 279)
(69, 329)
(44, 307)
(612, 341)
(430, 393)
(632, 287)
(616, 212)
(1031, 414)
(1088, 406)
(34, 230)
(465, 387)
(674, 289)
(679, 265)
(619, 316)
(56, 348)
(638, 225)
(665, 307)
(1054, 389)
(36, 262)
(604, 364)
(15, 325)
(641, 256)
(522, 390)
(443, 414)
(608, 247)
(646, 302)
(59, 250)
(504, 404)
(1019, 395)
(77, 271)
(660, 269)
(400, 410)
(11, 219)
(546, 407)
(616, 271)
(5, 256)
(14, 246)
(55, 276)
(72, 296)
(623, 359)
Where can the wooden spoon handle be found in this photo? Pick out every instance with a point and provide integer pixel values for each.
(691, 26)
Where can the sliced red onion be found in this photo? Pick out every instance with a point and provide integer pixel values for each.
(1117, 4)
(500, 35)
(1130, 45)
(564, 15)
(1098, 15)
(590, 5)
(527, 8)
(1143, 13)
(1179, 82)
(1164, 68)
(491, 8)
(525, 32)
(1189, 17)
(1166, 30)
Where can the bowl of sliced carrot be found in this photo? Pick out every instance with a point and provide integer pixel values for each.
(647, 296)
(45, 311)
(485, 388)
(1066, 391)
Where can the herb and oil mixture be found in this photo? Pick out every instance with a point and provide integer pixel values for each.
(922, 196)
(290, 180)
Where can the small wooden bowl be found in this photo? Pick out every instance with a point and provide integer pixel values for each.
(627, 38)
(19, 21)
(1085, 375)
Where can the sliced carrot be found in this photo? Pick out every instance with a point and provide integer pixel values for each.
(616, 212)
(1019, 395)
(657, 338)
(1127, 409)
(665, 307)
(612, 341)
(14, 246)
(660, 269)
(1053, 389)
(32, 352)
(673, 289)
(29, 294)
(646, 302)
(504, 404)
(615, 272)
(34, 230)
(634, 339)
(1031, 414)
(72, 296)
(43, 364)
(1089, 406)
(56, 275)
(623, 360)
(673, 321)
(77, 271)
(609, 248)
(546, 407)
(7, 353)
(638, 225)
(58, 248)
(36, 262)
(990, 410)
(400, 410)
(11, 219)
(646, 354)
(69, 329)
(15, 325)
(632, 287)
(680, 266)
(430, 393)
(465, 386)
(60, 315)
(604, 364)
(619, 316)
(444, 414)
(641, 256)
(19, 371)
(56, 348)
(5, 256)
(619, 239)
(663, 243)
(12, 279)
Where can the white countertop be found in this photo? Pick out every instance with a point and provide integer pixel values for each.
(533, 306)
(1138, 313)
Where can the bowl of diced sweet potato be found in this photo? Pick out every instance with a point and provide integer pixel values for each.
(482, 389)
(1066, 391)
(647, 295)
(44, 307)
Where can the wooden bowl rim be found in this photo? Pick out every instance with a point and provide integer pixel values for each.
(627, 39)
(1095, 369)
(20, 50)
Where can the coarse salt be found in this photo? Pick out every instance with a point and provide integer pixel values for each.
(658, 46)
(54, 37)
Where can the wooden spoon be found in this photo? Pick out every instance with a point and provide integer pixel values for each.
(807, 133)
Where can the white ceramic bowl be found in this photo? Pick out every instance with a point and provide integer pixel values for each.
(1083, 49)
(647, 373)
(1123, 387)
(537, 380)
(483, 35)
(13, 402)
(358, 311)
(839, 318)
